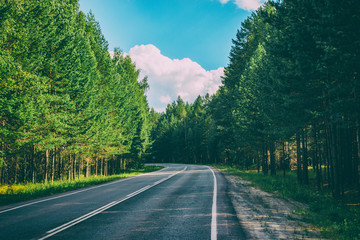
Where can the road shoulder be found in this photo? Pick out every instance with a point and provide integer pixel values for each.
(264, 216)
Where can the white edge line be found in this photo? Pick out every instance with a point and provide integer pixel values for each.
(214, 210)
(79, 191)
(101, 209)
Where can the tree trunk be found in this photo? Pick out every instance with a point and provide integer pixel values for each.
(74, 167)
(80, 167)
(96, 166)
(121, 163)
(70, 168)
(329, 172)
(53, 165)
(316, 159)
(34, 164)
(113, 165)
(102, 166)
(16, 169)
(334, 160)
(298, 158)
(282, 158)
(88, 167)
(305, 174)
(46, 164)
(272, 159)
(357, 156)
(60, 166)
(265, 165)
(25, 168)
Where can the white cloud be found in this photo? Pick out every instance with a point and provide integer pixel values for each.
(170, 78)
(248, 5)
(165, 99)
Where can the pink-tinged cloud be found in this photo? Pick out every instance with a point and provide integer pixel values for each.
(169, 78)
(247, 5)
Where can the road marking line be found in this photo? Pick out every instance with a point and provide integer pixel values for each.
(214, 210)
(103, 208)
(139, 191)
(64, 225)
(79, 191)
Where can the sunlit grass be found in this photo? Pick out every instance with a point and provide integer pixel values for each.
(21, 192)
(336, 219)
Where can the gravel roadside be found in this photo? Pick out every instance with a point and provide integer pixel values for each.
(264, 216)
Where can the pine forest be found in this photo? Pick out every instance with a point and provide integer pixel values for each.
(289, 100)
(67, 107)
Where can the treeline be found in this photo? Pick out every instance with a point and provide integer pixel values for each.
(290, 98)
(67, 108)
(185, 133)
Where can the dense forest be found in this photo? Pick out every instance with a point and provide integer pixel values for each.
(67, 108)
(290, 99)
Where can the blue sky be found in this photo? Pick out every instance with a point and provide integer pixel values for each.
(196, 30)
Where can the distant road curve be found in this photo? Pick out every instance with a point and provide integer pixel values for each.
(177, 202)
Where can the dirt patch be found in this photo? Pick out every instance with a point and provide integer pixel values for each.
(264, 216)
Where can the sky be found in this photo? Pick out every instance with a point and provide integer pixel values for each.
(182, 46)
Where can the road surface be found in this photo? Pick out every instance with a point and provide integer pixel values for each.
(177, 202)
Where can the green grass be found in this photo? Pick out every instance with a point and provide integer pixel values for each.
(335, 219)
(22, 192)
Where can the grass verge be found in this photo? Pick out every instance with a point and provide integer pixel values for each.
(22, 192)
(336, 219)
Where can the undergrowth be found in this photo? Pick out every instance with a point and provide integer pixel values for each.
(22, 192)
(336, 219)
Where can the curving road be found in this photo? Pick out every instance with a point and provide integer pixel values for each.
(177, 202)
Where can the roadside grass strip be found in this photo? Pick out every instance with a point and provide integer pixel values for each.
(17, 193)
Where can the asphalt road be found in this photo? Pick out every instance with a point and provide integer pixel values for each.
(177, 202)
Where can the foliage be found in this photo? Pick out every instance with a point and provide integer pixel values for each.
(66, 107)
(184, 133)
(289, 99)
